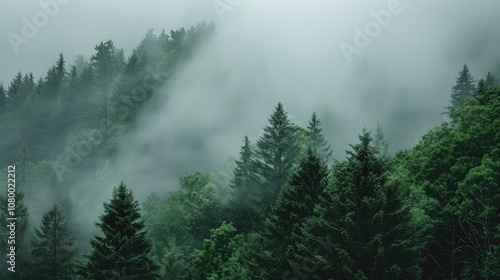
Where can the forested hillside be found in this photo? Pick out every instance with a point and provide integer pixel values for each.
(284, 209)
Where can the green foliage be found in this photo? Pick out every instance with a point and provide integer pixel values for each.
(124, 248)
(362, 210)
(52, 248)
(293, 206)
(462, 90)
(316, 140)
(200, 197)
(175, 262)
(3, 99)
(179, 224)
(219, 257)
(478, 210)
(452, 164)
(380, 142)
(168, 224)
(244, 202)
(277, 152)
(372, 217)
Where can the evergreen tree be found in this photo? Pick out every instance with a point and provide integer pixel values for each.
(244, 201)
(362, 211)
(490, 80)
(60, 66)
(27, 84)
(107, 62)
(294, 205)
(463, 89)
(316, 139)
(277, 152)
(123, 250)
(483, 93)
(51, 87)
(3, 99)
(52, 248)
(14, 91)
(380, 142)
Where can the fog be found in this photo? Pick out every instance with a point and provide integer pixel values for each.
(265, 52)
(290, 51)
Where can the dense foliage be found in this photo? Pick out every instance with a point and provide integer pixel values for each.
(285, 210)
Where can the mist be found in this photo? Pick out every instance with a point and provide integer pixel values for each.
(263, 52)
(289, 51)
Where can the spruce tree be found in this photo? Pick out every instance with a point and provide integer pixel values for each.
(52, 248)
(244, 202)
(123, 251)
(3, 99)
(362, 212)
(483, 92)
(462, 90)
(316, 139)
(380, 142)
(294, 205)
(14, 90)
(277, 152)
(490, 80)
(108, 62)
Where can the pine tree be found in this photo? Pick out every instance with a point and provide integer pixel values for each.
(123, 250)
(277, 152)
(463, 89)
(60, 66)
(52, 248)
(360, 228)
(108, 61)
(380, 142)
(245, 195)
(14, 92)
(490, 80)
(294, 205)
(27, 84)
(483, 93)
(316, 139)
(3, 99)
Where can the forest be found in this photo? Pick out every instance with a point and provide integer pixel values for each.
(284, 208)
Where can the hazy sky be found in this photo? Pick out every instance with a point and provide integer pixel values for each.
(307, 54)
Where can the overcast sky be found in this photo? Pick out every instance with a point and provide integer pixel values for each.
(308, 54)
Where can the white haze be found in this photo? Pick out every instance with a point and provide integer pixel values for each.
(289, 51)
